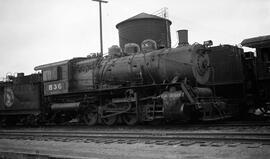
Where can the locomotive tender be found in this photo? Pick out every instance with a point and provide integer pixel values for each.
(146, 82)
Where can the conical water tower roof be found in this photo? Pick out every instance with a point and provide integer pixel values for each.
(142, 16)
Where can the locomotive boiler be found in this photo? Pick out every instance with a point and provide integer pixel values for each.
(157, 66)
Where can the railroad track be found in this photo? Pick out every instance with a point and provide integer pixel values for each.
(178, 125)
(230, 124)
(135, 137)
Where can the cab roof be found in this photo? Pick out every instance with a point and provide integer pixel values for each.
(43, 67)
(257, 42)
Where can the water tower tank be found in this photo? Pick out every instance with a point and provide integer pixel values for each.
(145, 26)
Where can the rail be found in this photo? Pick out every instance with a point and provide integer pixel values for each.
(163, 136)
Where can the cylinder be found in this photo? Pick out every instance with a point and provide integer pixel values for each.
(175, 107)
(182, 37)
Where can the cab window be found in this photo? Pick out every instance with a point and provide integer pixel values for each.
(50, 74)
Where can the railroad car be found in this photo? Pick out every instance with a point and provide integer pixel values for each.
(259, 71)
(20, 99)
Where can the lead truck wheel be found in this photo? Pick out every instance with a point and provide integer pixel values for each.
(130, 119)
(90, 118)
(110, 120)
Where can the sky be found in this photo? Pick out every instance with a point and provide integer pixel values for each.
(35, 32)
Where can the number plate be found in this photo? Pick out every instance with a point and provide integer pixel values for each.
(55, 87)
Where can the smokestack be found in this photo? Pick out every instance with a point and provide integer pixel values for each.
(182, 37)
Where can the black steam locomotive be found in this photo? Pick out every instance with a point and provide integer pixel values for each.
(150, 82)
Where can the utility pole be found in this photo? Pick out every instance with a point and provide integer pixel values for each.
(100, 24)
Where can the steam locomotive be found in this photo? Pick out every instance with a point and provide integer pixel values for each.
(150, 82)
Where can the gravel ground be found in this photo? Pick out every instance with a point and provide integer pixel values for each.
(134, 151)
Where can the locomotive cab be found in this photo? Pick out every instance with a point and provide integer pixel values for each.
(55, 77)
(68, 76)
